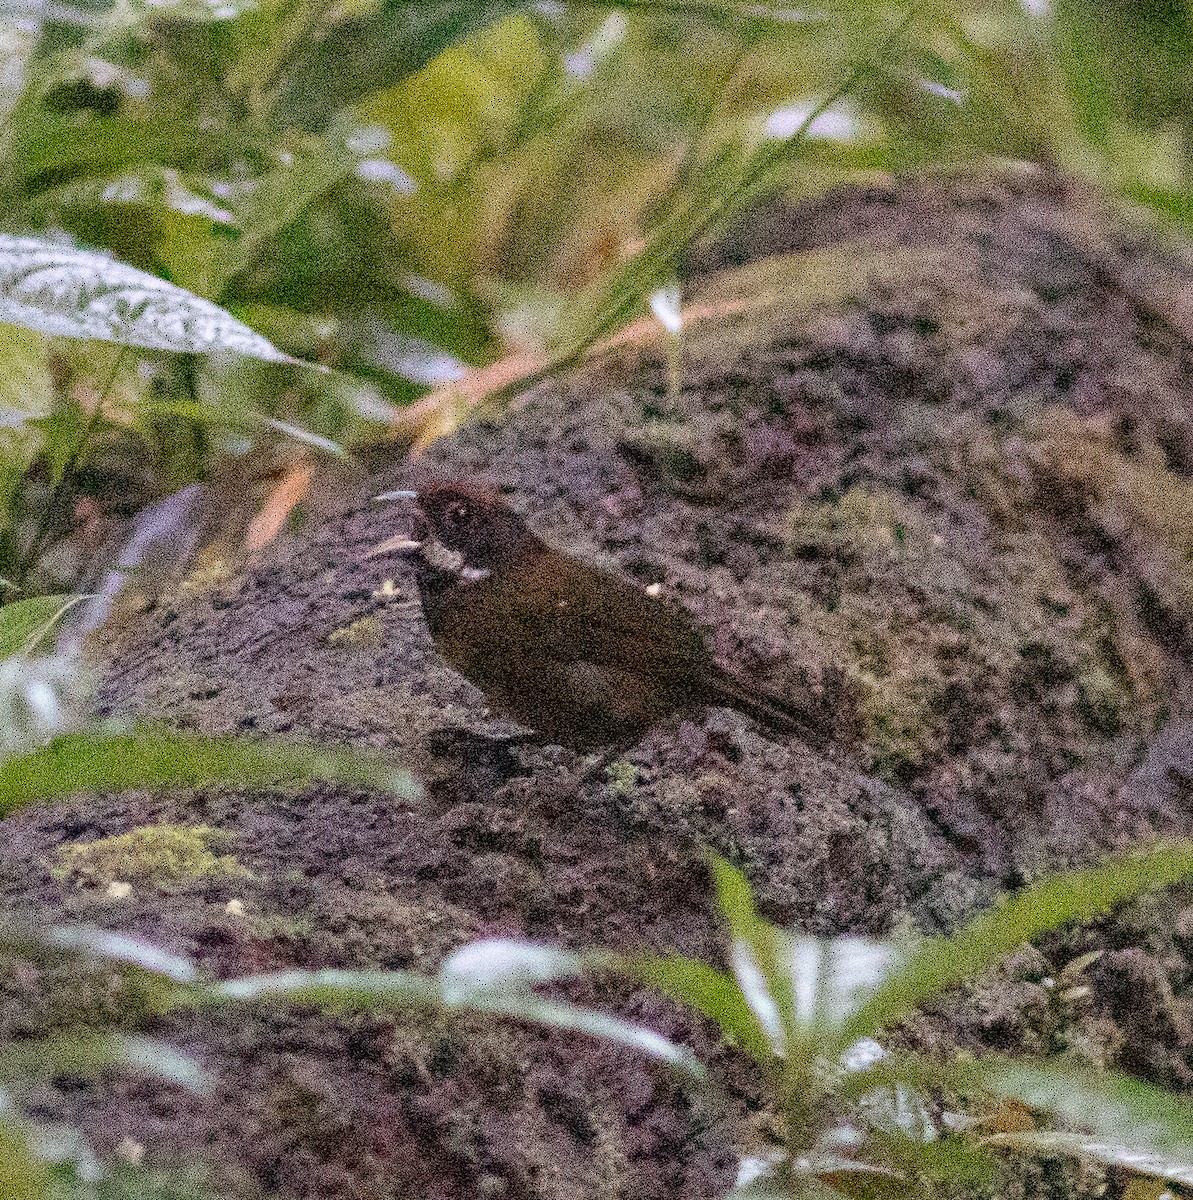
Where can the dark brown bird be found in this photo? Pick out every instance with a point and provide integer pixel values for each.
(573, 652)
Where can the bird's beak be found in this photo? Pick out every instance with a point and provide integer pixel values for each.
(401, 543)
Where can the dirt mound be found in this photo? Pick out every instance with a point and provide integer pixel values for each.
(939, 447)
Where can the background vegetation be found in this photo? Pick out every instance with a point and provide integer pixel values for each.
(241, 239)
(402, 191)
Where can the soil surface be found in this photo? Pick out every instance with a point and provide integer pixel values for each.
(932, 462)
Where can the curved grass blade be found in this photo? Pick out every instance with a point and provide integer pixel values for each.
(727, 184)
(155, 758)
(370, 991)
(381, 991)
(1076, 896)
(125, 948)
(1054, 1144)
(87, 1055)
(708, 991)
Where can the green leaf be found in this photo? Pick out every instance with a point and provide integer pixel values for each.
(307, 437)
(61, 289)
(383, 991)
(56, 145)
(505, 963)
(362, 55)
(25, 624)
(735, 898)
(1108, 1152)
(22, 1176)
(1079, 896)
(86, 1056)
(1169, 202)
(148, 186)
(155, 758)
(279, 197)
(707, 990)
(26, 394)
(124, 948)
(370, 991)
(1113, 1106)
(246, 419)
(604, 1026)
(761, 955)
(726, 183)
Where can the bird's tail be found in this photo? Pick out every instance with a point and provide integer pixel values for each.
(816, 722)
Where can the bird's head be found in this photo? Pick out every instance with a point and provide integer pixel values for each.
(463, 528)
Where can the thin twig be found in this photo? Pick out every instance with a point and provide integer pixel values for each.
(47, 515)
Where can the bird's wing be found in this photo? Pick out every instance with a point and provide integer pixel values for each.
(571, 612)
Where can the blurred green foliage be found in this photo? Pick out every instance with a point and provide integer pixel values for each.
(400, 190)
(850, 1116)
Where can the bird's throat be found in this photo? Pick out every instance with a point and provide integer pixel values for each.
(451, 562)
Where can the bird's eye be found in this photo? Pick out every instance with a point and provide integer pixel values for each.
(457, 514)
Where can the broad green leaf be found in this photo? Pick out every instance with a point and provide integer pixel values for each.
(1115, 1107)
(362, 55)
(62, 289)
(26, 394)
(707, 990)
(156, 758)
(56, 145)
(25, 624)
(1078, 896)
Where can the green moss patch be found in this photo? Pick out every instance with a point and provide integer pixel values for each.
(159, 856)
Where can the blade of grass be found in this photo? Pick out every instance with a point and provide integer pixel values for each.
(382, 991)
(87, 1055)
(156, 758)
(1115, 1107)
(1078, 896)
(725, 187)
(707, 990)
